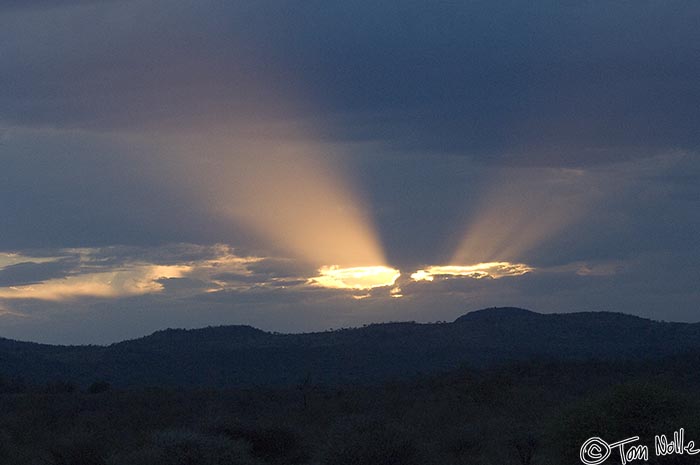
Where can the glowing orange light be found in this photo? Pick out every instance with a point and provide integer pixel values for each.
(293, 193)
(358, 278)
(493, 270)
(523, 208)
(134, 280)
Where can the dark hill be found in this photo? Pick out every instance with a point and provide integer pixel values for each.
(243, 356)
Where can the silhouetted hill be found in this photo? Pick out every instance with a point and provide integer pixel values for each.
(240, 356)
(498, 312)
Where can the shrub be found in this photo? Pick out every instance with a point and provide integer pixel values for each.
(185, 447)
(98, 387)
(371, 442)
(271, 445)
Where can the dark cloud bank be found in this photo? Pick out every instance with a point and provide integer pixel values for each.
(432, 102)
(544, 82)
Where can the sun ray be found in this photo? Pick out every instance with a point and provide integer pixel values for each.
(524, 208)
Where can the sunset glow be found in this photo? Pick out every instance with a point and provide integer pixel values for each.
(134, 280)
(521, 210)
(294, 195)
(494, 270)
(299, 166)
(359, 278)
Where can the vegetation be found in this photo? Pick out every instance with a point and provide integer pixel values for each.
(496, 387)
(524, 414)
(243, 357)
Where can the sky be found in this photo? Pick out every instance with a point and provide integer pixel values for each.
(301, 166)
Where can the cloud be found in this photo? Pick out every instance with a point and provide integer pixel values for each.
(115, 272)
(559, 135)
(65, 188)
(134, 280)
(10, 5)
(27, 273)
(562, 85)
(361, 278)
(173, 270)
(280, 268)
(492, 270)
(199, 296)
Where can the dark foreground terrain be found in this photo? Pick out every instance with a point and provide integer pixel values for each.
(521, 414)
(583, 375)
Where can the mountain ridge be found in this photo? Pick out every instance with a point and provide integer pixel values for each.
(244, 356)
(490, 313)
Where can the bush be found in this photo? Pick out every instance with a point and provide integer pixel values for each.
(185, 447)
(12, 385)
(76, 449)
(270, 445)
(372, 442)
(59, 387)
(634, 409)
(98, 387)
